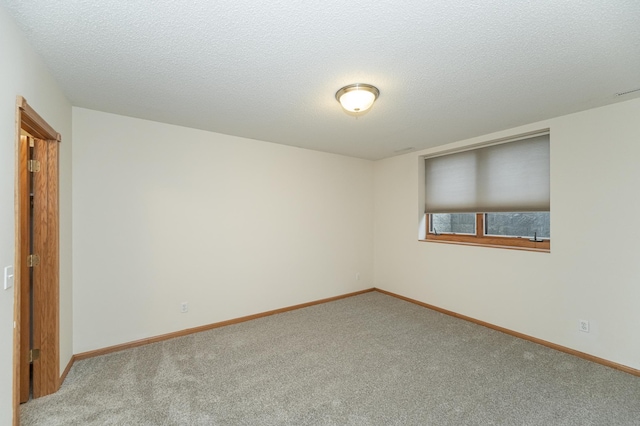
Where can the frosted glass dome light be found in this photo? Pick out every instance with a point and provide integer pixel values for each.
(357, 97)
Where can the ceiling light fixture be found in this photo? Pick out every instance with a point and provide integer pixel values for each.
(357, 97)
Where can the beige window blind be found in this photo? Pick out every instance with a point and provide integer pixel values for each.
(509, 177)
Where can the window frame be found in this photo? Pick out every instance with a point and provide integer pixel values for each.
(480, 239)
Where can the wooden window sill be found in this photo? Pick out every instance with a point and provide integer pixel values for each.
(462, 240)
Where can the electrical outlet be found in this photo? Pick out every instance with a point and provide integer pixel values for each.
(184, 307)
(357, 276)
(583, 325)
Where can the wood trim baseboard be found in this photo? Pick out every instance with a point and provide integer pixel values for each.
(66, 370)
(142, 342)
(555, 346)
(185, 332)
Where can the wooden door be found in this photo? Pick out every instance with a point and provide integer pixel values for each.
(39, 323)
(46, 371)
(36, 295)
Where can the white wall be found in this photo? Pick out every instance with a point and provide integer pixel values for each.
(166, 214)
(593, 270)
(22, 73)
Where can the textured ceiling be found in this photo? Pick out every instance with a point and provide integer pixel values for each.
(446, 70)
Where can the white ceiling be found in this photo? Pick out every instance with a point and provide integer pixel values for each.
(446, 69)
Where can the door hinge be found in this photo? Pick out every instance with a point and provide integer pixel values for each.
(33, 166)
(33, 260)
(34, 354)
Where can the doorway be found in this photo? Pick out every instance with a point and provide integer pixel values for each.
(36, 294)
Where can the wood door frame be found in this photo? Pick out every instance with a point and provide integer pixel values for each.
(22, 289)
(48, 318)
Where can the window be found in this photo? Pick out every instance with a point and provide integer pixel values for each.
(526, 224)
(494, 195)
(453, 223)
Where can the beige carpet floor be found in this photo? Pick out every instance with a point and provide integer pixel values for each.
(366, 360)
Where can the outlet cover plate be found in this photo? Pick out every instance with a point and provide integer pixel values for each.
(583, 325)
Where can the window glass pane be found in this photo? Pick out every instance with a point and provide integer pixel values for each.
(453, 223)
(518, 224)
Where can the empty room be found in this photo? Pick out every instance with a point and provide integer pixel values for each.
(292, 213)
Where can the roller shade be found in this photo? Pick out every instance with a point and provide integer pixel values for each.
(509, 177)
